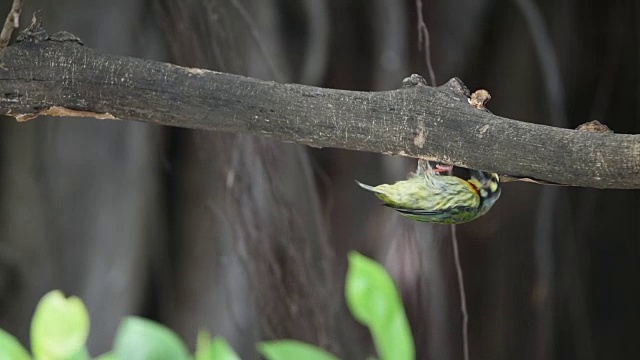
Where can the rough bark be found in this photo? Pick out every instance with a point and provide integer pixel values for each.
(417, 120)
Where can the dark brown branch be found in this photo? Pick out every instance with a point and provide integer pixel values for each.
(417, 120)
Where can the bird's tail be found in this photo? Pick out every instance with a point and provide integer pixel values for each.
(367, 187)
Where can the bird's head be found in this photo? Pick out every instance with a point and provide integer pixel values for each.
(488, 189)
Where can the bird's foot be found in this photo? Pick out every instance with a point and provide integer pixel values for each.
(442, 168)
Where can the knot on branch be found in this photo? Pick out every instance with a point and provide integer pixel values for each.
(65, 36)
(34, 32)
(414, 80)
(594, 126)
(457, 86)
(479, 99)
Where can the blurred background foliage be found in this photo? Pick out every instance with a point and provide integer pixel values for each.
(248, 237)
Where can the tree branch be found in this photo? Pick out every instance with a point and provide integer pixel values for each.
(64, 78)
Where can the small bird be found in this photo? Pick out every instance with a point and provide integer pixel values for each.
(442, 199)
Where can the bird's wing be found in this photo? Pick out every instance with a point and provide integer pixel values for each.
(445, 193)
(439, 212)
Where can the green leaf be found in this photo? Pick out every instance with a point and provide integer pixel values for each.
(11, 349)
(221, 350)
(142, 339)
(83, 354)
(59, 328)
(375, 302)
(292, 349)
(203, 346)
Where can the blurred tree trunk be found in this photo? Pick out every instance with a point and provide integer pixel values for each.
(81, 202)
(254, 216)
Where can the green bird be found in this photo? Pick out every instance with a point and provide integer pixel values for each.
(442, 199)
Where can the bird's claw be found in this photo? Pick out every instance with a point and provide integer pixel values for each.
(442, 168)
(424, 167)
